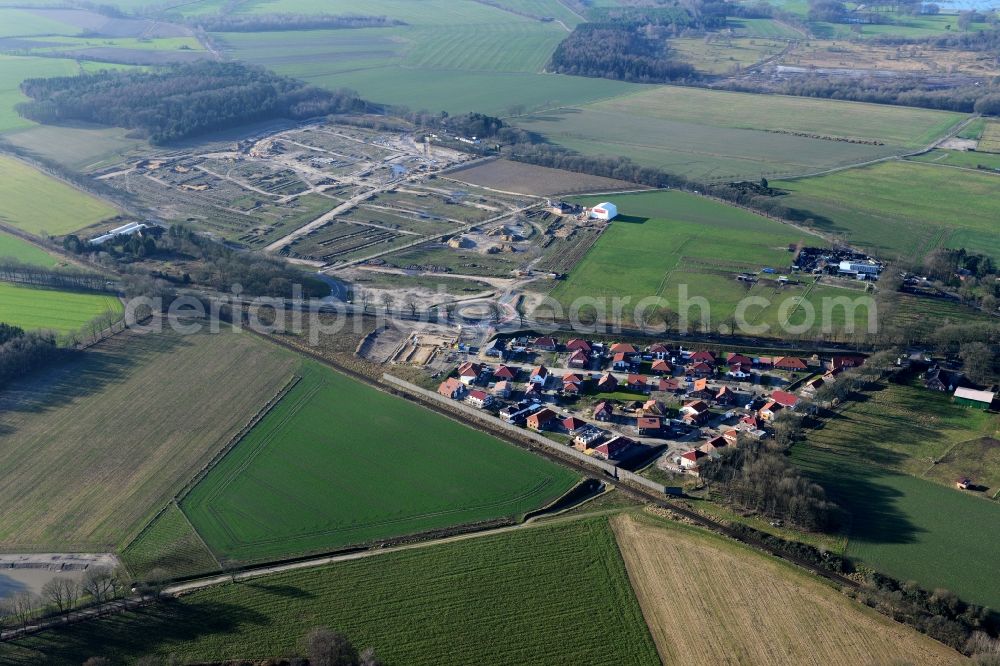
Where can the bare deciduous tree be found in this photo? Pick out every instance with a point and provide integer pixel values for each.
(326, 647)
(24, 605)
(387, 301)
(61, 592)
(100, 583)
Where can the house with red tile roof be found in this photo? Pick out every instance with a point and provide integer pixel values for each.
(505, 372)
(733, 358)
(578, 359)
(623, 348)
(479, 399)
(649, 425)
(732, 437)
(608, 383)
(725, 396)
(661, 367)
(572, 424)
(769, 411)
(577, 344)
(841, 362)
(452, 388)
(692, 459)
(790, 363)
(695, 412)
(620, 361)
(714, 445)
(469, 372)
(541, 419)
(603, 411)
(613, 448)
(785, 399)
(545, 343)
(668, 385)
(654, 408)
(539, 375)
(659, 351)
(700, 369)
(637, 383)
(503, 389)
(703, 357)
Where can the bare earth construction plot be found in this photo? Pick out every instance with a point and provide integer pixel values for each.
(713, 135)
(337, 463)
(120, 431)
(751, 609)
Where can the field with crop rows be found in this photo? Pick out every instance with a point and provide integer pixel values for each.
(34, 308)
(39, 204)
(120, 429)
(967, 159)
(989, 142)
(12, 247)
(903, 208)
(501, 599)
(337, 463)
(724, 55)
(169, 545)
(715, 135)
(746, 604)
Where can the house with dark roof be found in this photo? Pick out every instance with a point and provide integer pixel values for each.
(541, 420)
(603, 411)
(940, 379)
(577, 344)
(608, 383)
(578, 359)
(725, 396)
(613, 448)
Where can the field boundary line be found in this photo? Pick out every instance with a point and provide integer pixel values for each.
(237, 438)
(197, 534)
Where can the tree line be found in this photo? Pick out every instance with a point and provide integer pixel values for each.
(289, 22)
(22, 353)
(621, 51)
(181, 101)
(12, 270)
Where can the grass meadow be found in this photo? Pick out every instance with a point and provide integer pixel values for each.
(525, 596)
(169, 544)
(715, 135)
(667, 241)
(121, 428)
(877, 459)
(36, 308)
(965, 159)
(336, 463)
(12, 247)
(903, 208)
(14, 70)
(40, 204)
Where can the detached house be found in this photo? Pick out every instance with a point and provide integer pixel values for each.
(785, 399)
(479, 399)
(659, 351)
(469, 373)
(637, 383)
(452, 388)
(539, 375)
(790, 363)
(613, 448)
(695, 412)
(541, 419)
(700, 369)
(578, 359)
(649, 425)
(576, 344)
(545, 343)
(603, 411)
(623, 348)
(725, 396)
(506, 373)
(702, 357)
(692, 459)
(769, 411)
(620, 361)
(608, 383)
(661, 367)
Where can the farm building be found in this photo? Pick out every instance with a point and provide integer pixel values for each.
(972, 398)
(604, 211)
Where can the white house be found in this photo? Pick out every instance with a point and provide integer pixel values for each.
(604, 211)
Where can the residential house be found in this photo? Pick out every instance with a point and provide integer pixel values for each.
(649, 425)
(479, 399)
(452, 388)
(613, 448)
(732, 437)
(608, 383)
(541, 419)
(785, 399)
(764, 362)
(659, 351)
(739, 371)
(695, 412)
(733, 358)
(469, 372)
(623, 348)
(539, 375)
(603, 411)
(502, 389)
(576, 344)
(714, 445)
(939, 379)
(668, 385)
(586, 437)
(813, 385)
(504, 372)
(578, 359)
(637, 383)
(702, 357)
(654, 408)
(700, 369)
(725, 396)
(750, 422)
(790, 363)
(841, 362)
(572, 384)
(769, 411)
(545, 343)
(692, 459)
(532, 390)
(514, 413)
(621, 361)
(661, 367)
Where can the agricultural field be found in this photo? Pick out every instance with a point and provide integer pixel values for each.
(844, 54)
(762, 609)
(169, 545)
(965, 159)
(714, 135)
(80, 148)
(16, 22)
(14, 70)
(989, 141)
(902, 208)
(908, 527)
(460, 602)
(664, 243)
(121, 428)
(12, 247)
(302, 480)
(41, 205)
(910, 27)
(528, 179)
(37, 308)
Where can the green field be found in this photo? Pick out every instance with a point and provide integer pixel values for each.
(667, 241)
(910, 27)
(120, 430)
(911, 528)
(14, 70)
(19, 22)
(503, 599)
(337, 463)
(903, 208)
(715, 135)
(12, 247)
(169, 545)
(39, 204)
(966, 159)
(34, 308)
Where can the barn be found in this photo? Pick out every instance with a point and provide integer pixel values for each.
(604, 211)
